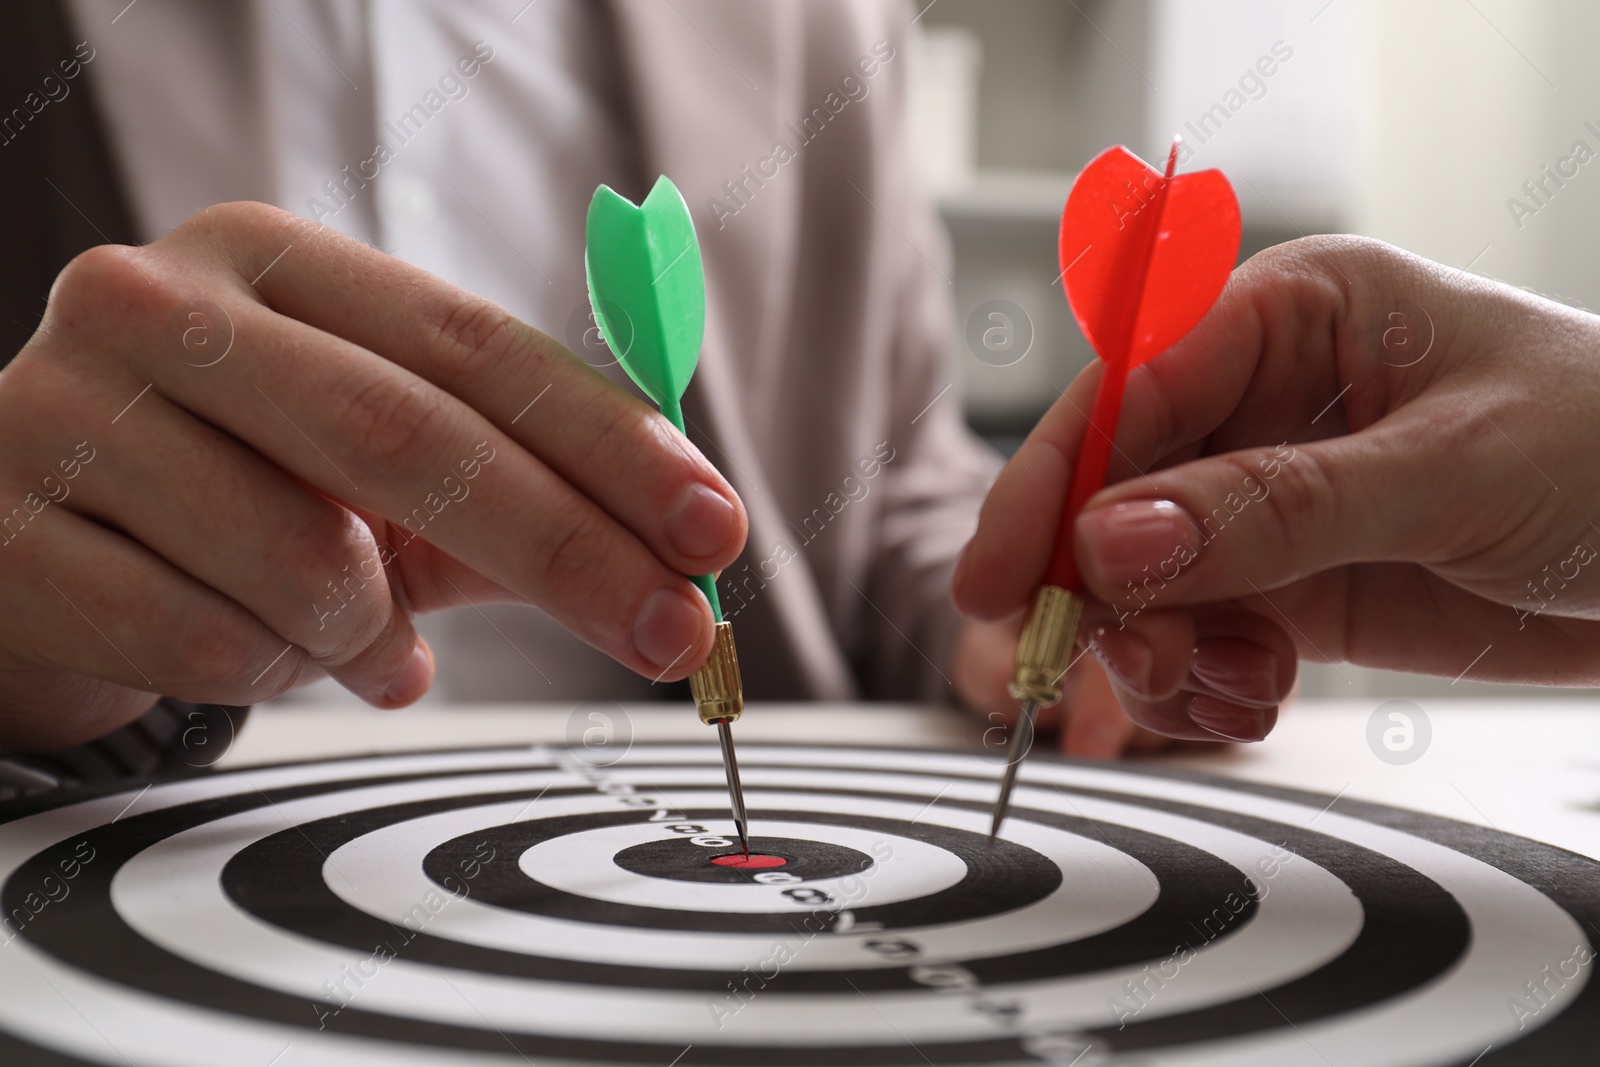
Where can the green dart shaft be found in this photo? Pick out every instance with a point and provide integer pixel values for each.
(706, 583)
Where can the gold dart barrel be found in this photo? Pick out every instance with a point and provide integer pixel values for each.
(1045, 648)
(718, 690)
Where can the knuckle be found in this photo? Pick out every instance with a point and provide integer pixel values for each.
(245, 235)
(324, 538)
(110, 283)
(626, 434)
(277, 680)
(569, 567)
(214, 652)
(1301, 502)
(386, 421)
(32, 390)
(1166, 422)
(632, 444)
(351, 606)
(474, 337)
(1337, 267)
(1320, 248)
(238, 218)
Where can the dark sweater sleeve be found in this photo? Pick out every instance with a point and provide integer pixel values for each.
(173, 738)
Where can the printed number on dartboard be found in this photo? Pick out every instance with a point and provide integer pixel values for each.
(893, 948)
(697, 835)
(628, 796)
(949, 978)
(813, 898)
(775, 878)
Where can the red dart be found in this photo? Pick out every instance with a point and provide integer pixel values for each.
(1144, 255)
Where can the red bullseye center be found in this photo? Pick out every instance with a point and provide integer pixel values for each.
(750, 862)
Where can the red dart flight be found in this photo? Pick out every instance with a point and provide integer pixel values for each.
(1143, 256)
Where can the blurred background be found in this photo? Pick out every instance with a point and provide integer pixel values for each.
(1448, 127)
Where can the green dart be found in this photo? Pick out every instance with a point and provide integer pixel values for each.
(648, 291)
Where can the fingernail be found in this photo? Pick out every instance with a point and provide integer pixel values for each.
(412, 681)
(1126, 655)
(1232, 721)
(1236, 668)
(1121, 541)
(667, 628)
(701, 521)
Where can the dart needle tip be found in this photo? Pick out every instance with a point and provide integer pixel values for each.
(1021, 742)
(997, 815)
(730, 767)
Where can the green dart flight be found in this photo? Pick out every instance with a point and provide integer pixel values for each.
(648, 291)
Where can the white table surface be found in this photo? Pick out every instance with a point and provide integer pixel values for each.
(1528, 767)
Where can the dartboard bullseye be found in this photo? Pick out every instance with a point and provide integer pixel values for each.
(517, 906)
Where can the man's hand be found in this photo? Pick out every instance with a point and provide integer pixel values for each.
(256, 447)
(1358, 455)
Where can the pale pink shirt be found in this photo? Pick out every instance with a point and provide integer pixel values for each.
(842, 591)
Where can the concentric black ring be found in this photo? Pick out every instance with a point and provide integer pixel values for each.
(680, 860)
(1413, 930)
(1001, 876)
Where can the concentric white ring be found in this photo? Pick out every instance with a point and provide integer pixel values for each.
(170, 893)
(582, 864)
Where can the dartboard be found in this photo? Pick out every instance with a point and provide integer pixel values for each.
(531, 906)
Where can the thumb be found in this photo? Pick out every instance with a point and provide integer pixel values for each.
(1237, 524)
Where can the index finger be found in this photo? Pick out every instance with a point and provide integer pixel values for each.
(1287, 300)
(611, 447)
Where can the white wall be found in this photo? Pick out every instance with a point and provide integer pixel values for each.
(1265, 90)
(1462, 104)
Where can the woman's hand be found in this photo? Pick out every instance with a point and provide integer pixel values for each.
(1357, 456)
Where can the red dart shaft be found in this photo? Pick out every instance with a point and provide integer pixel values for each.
(1094, 456)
